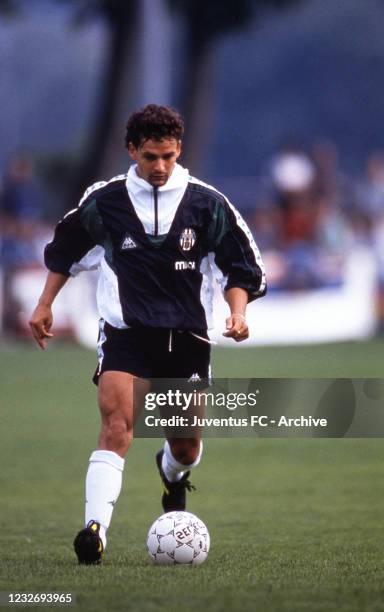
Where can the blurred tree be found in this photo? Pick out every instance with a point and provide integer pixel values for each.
(105, 140)
(8, 8)
(205, 21)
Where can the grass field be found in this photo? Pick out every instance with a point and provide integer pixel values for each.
(296, 524)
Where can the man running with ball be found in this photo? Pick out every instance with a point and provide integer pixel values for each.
(161, 239)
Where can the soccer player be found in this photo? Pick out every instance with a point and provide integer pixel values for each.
(160, 238)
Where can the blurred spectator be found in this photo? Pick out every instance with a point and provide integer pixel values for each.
(369, 218)
(378, 245)
(310, 236)
(329, 181)
(371, 191)
(292, 172)
(369, 201)
(20, 227)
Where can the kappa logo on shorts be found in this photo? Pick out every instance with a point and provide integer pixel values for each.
(187, 239)
(128, 243)
(194, 378)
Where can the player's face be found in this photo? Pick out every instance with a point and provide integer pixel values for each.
(156, 159)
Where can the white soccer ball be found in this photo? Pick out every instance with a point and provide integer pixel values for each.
(178, 538)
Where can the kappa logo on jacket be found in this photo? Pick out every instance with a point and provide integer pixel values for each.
(128, 243)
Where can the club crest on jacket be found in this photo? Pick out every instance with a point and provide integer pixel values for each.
(187, 239)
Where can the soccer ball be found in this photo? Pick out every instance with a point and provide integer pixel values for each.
(178, 538)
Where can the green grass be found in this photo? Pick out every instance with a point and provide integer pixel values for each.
(347, 359)
(296, 524)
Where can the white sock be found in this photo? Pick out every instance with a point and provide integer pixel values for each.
(102, 488)
(172, 468)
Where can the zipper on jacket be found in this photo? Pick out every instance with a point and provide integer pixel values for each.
(156, 211)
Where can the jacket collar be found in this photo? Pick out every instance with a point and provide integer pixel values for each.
(177, 181)
(170, 195)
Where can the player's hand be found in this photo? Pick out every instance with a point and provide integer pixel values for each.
(41, 323)
(237, 328)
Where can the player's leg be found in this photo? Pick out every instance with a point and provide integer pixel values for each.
(175, 461)
(189, 362)
(104, 477)
(184, 452)
(116, 403)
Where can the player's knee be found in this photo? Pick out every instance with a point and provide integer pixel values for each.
(186, 450)
(116, 434)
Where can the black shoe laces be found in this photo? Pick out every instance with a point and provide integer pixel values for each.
(189, 486)
(184, 483)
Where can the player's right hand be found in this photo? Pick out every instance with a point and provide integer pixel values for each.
(237, 327)
(41, 323)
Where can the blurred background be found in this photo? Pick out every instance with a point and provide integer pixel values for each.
(283, 102)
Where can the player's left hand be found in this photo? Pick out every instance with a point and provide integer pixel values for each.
(237, 328)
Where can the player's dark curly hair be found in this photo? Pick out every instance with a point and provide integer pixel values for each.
(155, 122)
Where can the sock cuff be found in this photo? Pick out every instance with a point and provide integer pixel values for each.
(182, 466)
(110, 457)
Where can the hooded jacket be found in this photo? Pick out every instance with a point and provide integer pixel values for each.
(159, 250)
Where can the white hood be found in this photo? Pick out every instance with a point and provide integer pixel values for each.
(141, 194)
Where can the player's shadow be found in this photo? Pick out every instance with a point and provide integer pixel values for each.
(338, 406)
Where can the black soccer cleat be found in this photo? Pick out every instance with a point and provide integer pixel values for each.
(88, 545)
(174, 496)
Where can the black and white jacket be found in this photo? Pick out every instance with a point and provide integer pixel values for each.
(159, 250)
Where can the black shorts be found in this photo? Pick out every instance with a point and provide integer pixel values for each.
(155, 353)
